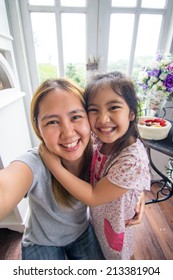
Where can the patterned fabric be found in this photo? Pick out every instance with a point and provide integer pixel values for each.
(130, 170)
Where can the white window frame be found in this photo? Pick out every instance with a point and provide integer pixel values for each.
(98, 14)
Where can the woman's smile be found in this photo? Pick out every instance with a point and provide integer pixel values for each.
(63, 124)
(70, 147)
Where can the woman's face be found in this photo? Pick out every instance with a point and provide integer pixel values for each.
(63, 124)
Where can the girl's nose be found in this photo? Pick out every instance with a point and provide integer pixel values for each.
(103, 118)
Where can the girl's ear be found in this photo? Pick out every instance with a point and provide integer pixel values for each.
(131, 116)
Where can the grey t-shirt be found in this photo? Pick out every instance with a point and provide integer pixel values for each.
(49, 224)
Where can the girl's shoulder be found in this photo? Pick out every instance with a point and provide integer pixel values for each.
(132, 155)
(137, 149)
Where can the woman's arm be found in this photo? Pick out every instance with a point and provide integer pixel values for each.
(15, 181)
(104, 191)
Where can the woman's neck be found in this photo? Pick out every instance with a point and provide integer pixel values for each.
(74, 167)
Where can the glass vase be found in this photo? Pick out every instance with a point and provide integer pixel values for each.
(155, 103)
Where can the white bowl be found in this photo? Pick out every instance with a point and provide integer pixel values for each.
(152, 132)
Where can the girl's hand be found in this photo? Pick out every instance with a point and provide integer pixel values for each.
(49, 159)
(139, 209)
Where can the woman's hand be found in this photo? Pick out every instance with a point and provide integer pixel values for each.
(139, 209)
(49, 159)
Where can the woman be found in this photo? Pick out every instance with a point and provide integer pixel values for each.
(58, 226)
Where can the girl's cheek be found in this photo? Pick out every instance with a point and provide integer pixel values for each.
(92, 122)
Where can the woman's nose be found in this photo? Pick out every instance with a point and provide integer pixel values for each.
(67, 130)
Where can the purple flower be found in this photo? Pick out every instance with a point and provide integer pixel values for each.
(170, 67)
(159, 56)
(168, 83)
(149, 72)
(144, 87)
(155, 73)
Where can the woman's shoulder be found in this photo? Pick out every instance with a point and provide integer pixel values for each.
(35, 163)
(31, 158)
(31, 155)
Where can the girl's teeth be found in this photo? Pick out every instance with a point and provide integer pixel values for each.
(71, 145)
(106, 129)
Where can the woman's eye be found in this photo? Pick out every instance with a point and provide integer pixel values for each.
(52, 122)
(76, 117)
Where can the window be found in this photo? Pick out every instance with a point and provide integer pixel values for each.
(118, 34)
(45, 43)
(59, 36)
(136, 29)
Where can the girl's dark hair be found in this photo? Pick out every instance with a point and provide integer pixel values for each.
(124, 87)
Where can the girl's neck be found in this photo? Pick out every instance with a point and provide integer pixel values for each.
(74, 167)
(106, 148)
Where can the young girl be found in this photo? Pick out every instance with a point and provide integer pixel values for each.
(58, 226)
(120, 166)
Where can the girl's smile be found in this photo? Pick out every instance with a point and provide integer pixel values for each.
(109, 115)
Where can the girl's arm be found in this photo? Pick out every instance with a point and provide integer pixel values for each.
(104, 191)
(15, 181)
(139, 212)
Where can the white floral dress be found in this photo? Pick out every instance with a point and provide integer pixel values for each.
(130, 170)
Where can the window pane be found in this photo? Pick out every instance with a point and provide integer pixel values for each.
(120, 41)
(45, 44)
(123, 3)
(74, 42)
(147, 40)
(153, 3)
(73, 3)
(41, 2)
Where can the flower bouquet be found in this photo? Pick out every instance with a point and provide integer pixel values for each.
(155, 81)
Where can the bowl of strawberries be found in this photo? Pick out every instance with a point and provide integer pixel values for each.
(153, 128)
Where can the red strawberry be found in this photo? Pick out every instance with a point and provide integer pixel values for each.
(163, 122)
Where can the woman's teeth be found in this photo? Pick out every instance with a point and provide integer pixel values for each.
(70, 145)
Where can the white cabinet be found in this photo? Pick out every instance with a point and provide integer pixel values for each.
(14, 132)
(14, 141)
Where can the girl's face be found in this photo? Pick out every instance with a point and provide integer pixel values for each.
(109, 115)
(63, 124)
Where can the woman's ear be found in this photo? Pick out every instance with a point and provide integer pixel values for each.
(38, 133)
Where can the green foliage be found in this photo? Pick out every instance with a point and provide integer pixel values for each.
(47, 71)
(119, 65)
(76, 72)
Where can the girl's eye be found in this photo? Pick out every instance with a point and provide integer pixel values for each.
(92, 110)
(113, 108)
